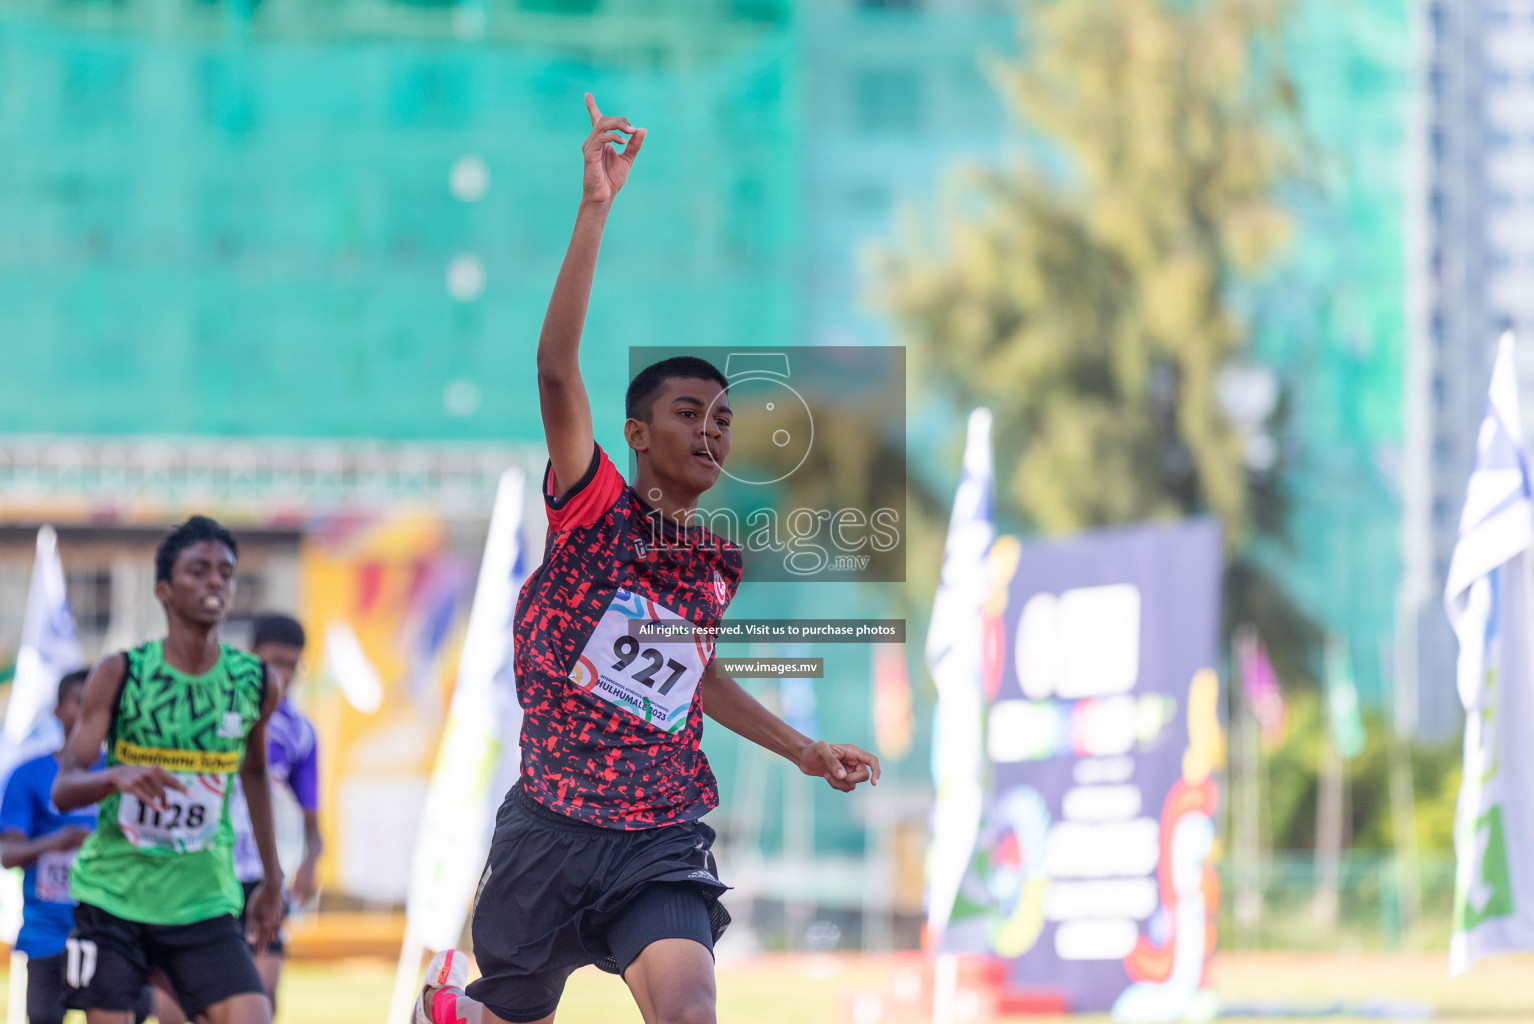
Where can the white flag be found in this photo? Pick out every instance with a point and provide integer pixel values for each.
(1490, 601)
(953, 656)
(50, 647)
(478, 757)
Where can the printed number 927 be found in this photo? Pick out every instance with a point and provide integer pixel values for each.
(627, 650)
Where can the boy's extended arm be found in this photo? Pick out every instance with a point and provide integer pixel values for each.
(303, 887)
(561, 392)
(840, 764)
(19, 850)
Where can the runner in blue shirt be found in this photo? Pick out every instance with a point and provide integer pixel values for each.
(35, 835)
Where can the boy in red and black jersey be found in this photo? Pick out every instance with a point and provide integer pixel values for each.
(612, 558)
(599, 855)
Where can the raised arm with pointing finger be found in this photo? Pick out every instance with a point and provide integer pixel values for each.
(561, 392)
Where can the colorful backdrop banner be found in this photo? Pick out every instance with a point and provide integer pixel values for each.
(1093, 874)
(369, 593)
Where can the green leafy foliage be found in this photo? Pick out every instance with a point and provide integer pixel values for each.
(1290, 783)
(1088, 306)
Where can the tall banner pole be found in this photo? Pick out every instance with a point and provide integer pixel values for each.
(1246, 808)
(1249, 897)
(1262, 726)
(16, 990)
(1344, 741)
(1328, 836)
(954, 651)
(796, 698)
(1403, 803)
(407, 984)
(1489, 598)
(478, 751)
(892, 721)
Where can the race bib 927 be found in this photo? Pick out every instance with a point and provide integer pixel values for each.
(652, 681)
(188, 822)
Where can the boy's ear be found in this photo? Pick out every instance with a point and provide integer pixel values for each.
(637, 434)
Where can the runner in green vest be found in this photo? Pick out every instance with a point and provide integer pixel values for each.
(155, 882)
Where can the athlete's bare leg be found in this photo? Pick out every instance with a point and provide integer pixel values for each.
(673, 982)
(108, 1017)
(245, 1008)
(269, 966)
(166, 1009)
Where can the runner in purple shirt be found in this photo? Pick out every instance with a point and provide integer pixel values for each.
(293, 761)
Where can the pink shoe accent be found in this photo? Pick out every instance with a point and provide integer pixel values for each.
(447, 967)
(444, 1006)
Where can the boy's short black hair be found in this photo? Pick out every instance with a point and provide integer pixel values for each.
(647, 383)
(70, 681)
(193, 531)
(277, 629)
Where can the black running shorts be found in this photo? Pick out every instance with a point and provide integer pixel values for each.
(558, 894)
(108, 959)
(46, 992)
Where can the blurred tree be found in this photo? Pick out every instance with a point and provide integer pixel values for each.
(1289, 801)
(1289, 798)
(1084, 293)
(1435, 775)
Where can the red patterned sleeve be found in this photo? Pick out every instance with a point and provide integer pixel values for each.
(589, 499)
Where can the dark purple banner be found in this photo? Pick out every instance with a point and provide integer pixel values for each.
(1093, 874)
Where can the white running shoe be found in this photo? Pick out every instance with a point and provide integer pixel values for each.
(448, 969)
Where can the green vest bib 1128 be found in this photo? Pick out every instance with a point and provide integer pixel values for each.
(173, 865)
